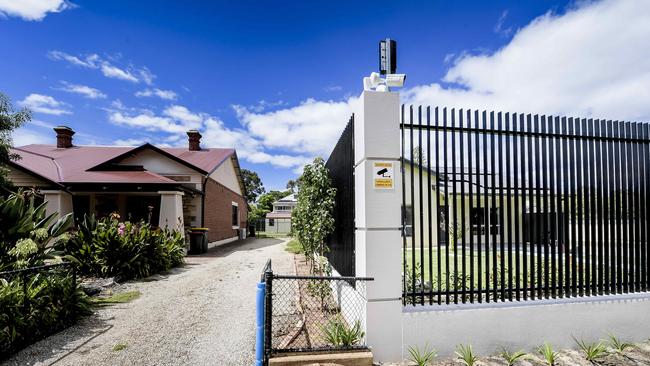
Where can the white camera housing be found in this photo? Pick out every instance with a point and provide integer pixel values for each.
(395, 80)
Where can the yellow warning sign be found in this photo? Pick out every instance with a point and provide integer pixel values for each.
(383, 175)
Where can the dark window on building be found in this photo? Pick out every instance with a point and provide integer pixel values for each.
(271, 222)
(143, 208)
(80, 207)
(477, 220)
(235, 215)
(495, 220)
(408, 220)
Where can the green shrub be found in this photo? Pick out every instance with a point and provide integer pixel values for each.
(339, 334)
(422, 357)
(125, 250)
(466, 355)
(27, 235)
(32, 310)
(512, 357)
(550, 356)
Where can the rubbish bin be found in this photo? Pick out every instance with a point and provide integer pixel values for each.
(251, 230)
(198, 240)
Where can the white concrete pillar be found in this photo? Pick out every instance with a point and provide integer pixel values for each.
(378, 202)
(57, 201)
(171, 210)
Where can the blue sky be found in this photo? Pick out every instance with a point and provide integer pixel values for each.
(278, 82)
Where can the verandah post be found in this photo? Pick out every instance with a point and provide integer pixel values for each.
(378, 220)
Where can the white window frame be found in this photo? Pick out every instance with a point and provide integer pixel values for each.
(234, 204)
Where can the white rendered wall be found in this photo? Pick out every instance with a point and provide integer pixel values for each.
(171, 210)
(57, 202)
(377, 220)
(488, 328)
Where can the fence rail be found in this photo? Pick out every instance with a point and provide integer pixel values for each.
(341, 170)
(510, 207)
(309, 313)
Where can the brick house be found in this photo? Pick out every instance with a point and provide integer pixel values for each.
(169, 187)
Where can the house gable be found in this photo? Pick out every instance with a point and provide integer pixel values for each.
(227, 175)
(155, 162)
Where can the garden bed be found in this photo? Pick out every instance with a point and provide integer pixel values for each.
(303, 309)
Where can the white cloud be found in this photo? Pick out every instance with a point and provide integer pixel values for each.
(184, 115)
(25, 136)
(87, 61)
(162, 94)
(176, 120)
(94, 61)
(499, 27)
(311, 128)
(115, 72)
(333, 88)
(129, 142)
(33, 10)
(40, 103)
(83, 90)
(586, 62)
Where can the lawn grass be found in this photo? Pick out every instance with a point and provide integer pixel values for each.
(294, 247)
(121, 298)
(423, 260)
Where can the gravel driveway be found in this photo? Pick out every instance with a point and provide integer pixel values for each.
(200, 314)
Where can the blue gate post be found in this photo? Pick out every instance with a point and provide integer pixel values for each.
(259, 342)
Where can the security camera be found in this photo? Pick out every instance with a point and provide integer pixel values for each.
(372, 82)
(395, 80)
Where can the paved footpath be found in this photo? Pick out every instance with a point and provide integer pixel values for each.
(200, 314)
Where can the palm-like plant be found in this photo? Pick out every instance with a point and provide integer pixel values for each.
(422, 357)
(27, 234)
(550, 356)
(339, 334)
(592, 351)
(466, 355)
(618, 345)
(512, 358)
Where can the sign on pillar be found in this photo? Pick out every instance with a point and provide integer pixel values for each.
(384, 175)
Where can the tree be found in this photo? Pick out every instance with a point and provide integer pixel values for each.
(312, 219)
(10, 119)
(419, 156)
(253, 184)
(291, 185)
(266, 200)
(264, 204)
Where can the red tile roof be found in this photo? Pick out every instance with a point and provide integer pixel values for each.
(73, 165)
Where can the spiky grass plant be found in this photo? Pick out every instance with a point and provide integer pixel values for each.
(423, 356)
(592, 351)
(550, 356)
(466, 355)
(512, 358)
(618, 345)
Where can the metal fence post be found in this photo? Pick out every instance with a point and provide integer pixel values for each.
(268, 313)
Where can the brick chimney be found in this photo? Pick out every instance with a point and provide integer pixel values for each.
(63, 137)
(194, 140)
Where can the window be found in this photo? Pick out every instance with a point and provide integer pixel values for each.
(495, 220)
(477, 220)
(271, 222)
(408, 220)
(235, 215)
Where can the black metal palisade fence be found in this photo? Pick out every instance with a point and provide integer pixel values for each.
(341, 169)
(509, 207)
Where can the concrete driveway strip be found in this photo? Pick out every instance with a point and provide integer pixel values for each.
(200, 314)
